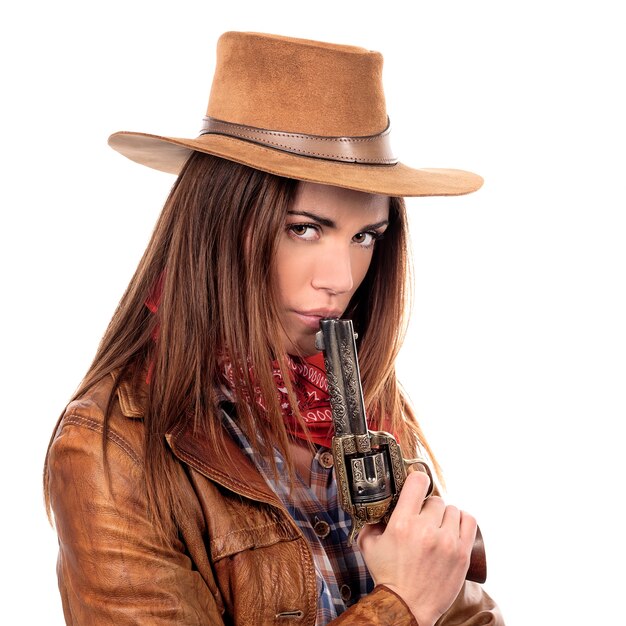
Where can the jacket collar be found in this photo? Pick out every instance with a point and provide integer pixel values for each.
(132, 397)
(221, 461)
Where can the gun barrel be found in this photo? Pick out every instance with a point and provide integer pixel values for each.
(336, 338)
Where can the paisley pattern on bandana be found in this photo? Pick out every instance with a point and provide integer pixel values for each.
(308, 377)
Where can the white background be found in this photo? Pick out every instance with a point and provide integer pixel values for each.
(516, 357)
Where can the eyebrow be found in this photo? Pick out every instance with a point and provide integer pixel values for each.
(324, 221)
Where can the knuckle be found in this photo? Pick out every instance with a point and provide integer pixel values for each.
(400, 529)
(445, 544)
(452, 509)
(468, 518)
(464, 557)
(430, 539)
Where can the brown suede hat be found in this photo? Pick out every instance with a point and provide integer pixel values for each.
(301, 109)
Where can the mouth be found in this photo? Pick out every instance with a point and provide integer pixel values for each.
(311, 319)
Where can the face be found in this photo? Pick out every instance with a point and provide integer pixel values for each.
(323, 256)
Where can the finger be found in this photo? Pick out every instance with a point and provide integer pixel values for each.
(468, 527)
(412, 496)
(452, 519)
(433, 511)
(421, 466)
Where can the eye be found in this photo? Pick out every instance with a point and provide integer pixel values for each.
(306, 232)
(367, 239)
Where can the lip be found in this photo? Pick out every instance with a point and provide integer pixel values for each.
(321, 313)
(312, 318)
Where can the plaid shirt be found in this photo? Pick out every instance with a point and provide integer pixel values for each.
(342, 577)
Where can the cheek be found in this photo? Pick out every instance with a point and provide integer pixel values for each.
(361, 262)
(289, 270)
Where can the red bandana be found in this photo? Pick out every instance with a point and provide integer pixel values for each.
(308, 377)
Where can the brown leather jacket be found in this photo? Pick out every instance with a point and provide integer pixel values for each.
(239, 558)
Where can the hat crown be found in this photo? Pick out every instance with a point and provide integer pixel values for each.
(307, 110)
(298, 86)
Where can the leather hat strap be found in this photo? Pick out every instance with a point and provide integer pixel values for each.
(372, 150)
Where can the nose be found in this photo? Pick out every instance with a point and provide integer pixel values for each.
(333, 271)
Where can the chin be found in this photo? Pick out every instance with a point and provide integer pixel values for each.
(305, 346)
(310, 351)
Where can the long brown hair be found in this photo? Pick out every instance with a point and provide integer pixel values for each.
(211, 253)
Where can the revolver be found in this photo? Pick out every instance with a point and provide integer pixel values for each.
(370, 469)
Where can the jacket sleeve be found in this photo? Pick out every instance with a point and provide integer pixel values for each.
(113, 567)
(472, 607)
(380, 607)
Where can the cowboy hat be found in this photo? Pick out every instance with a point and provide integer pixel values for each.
(302, 109)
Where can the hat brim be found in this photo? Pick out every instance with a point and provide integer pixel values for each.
(168, 154)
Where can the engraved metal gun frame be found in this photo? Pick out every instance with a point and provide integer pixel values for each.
(369, 466)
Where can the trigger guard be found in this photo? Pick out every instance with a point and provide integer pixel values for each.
(417, 465)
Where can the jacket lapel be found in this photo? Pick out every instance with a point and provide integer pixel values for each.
(221, 461)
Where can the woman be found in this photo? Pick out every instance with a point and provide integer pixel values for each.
(190, 478)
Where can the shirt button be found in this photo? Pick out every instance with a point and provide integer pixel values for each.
(326, 460)
(321, 528)
(346, 593)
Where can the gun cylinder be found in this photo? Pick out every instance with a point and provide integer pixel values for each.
(371, 478)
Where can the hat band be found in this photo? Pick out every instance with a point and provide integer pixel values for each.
(372, 150)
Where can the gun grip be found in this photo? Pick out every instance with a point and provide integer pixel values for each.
(477, 571)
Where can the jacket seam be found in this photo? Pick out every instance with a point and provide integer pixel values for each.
(307, 562)
(112, 436)
(246, 531)
(224, 479)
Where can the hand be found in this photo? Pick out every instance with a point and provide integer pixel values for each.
(424, 551)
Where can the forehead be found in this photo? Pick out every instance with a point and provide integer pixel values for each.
(337, 201)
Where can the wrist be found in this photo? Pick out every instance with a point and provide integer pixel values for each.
(422, 616)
